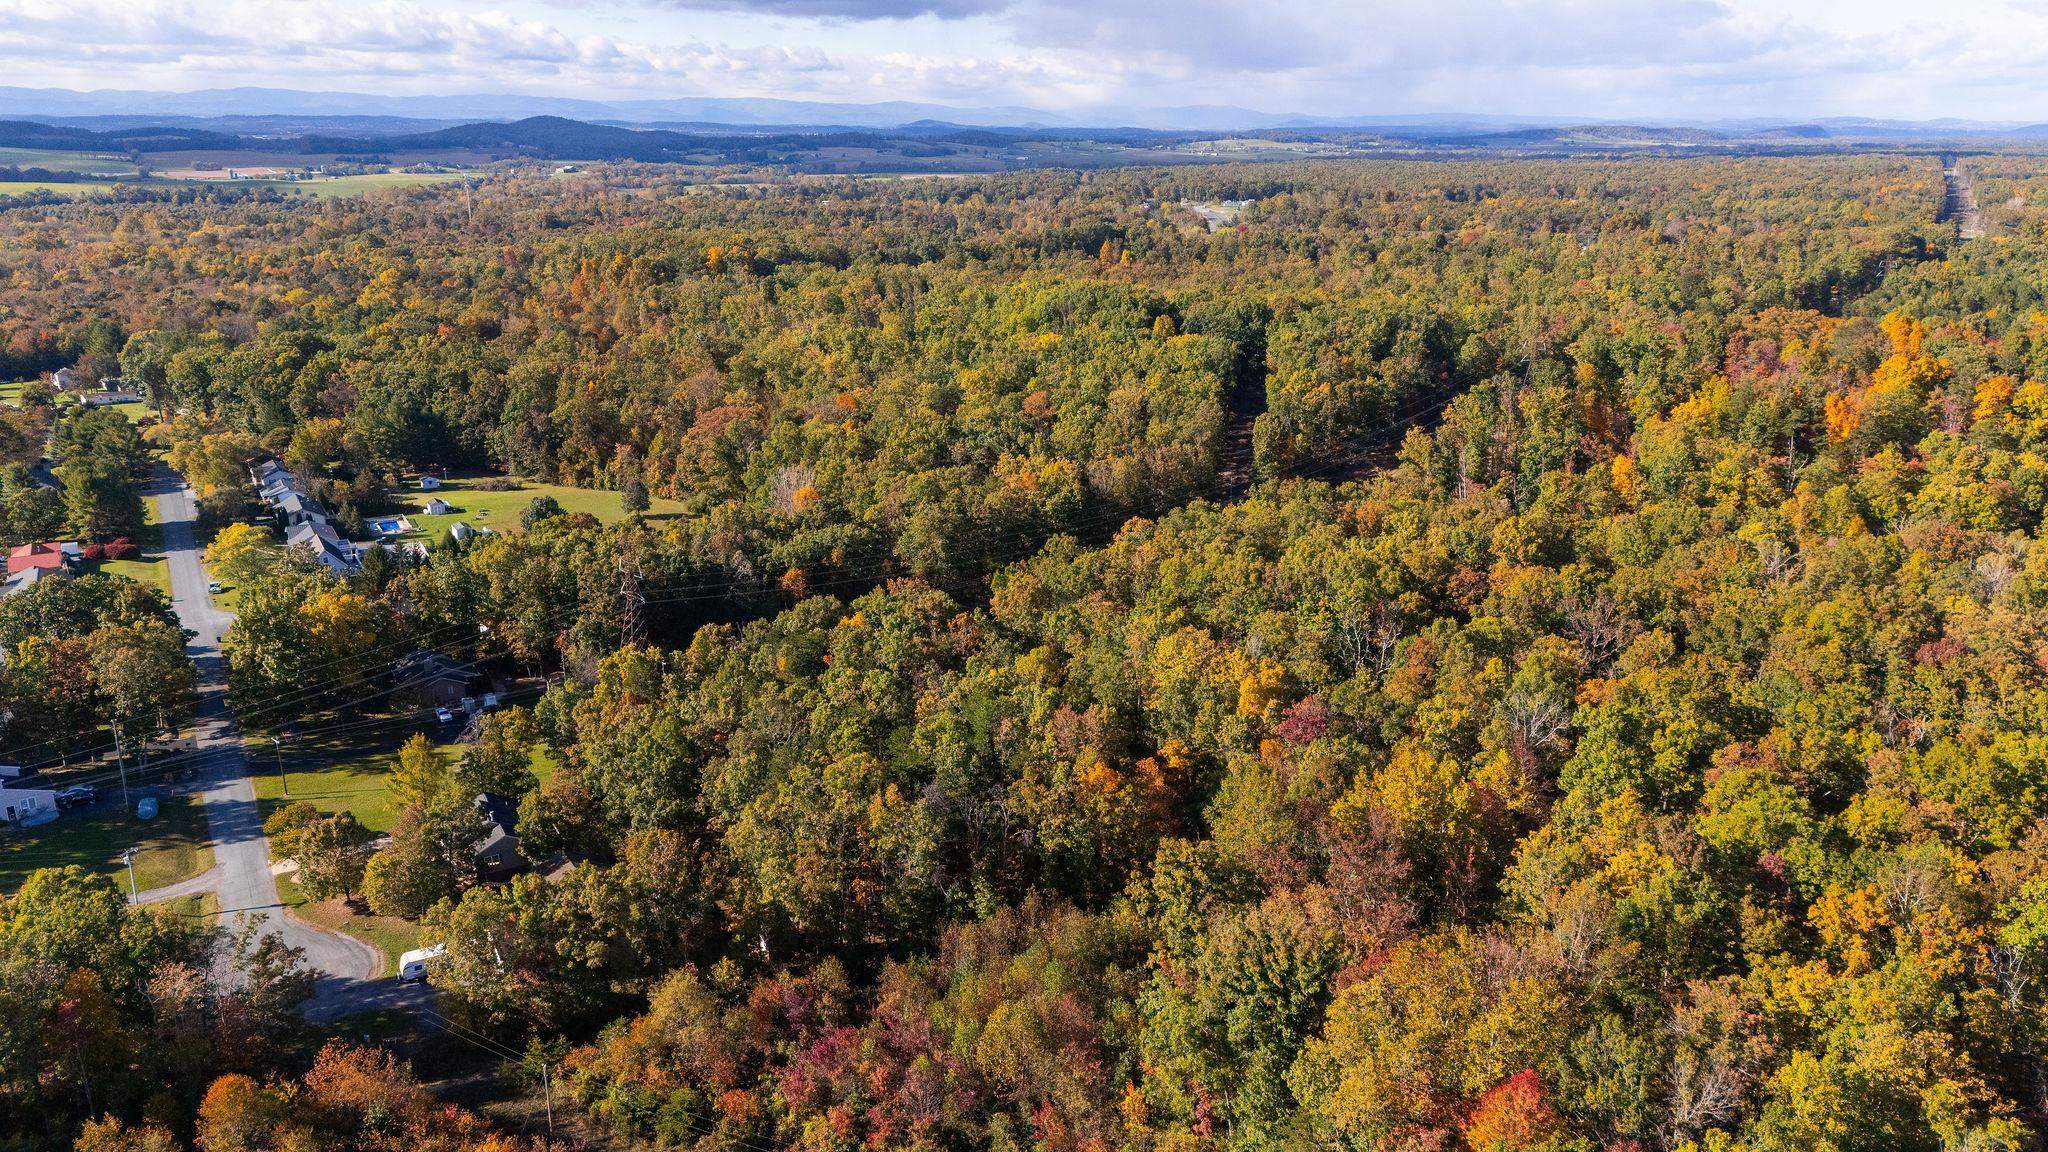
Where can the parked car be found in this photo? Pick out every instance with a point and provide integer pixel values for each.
(444, 715)
(216, 587)
(77, 795)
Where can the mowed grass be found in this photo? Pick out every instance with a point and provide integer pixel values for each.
(500, 511)
(151, 567)
(330, 780)
(205, 906)
(170, 848)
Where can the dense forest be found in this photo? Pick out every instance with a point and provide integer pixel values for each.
(1524, 655)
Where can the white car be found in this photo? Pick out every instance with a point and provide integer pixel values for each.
(215, 587)
(444, 715)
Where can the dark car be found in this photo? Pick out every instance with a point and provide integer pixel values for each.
(76, 795)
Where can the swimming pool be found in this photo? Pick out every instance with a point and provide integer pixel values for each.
(389, 525)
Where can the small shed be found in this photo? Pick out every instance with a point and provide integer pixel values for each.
(429, 483)
(439, 507)
(27, 807)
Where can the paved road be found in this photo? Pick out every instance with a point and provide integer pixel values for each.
(348, 968)
(1960, 203)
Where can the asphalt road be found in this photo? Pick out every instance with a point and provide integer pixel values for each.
(347, 980)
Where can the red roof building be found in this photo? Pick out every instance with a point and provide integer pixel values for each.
(45, 556)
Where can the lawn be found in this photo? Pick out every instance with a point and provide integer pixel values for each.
(205, 906)
(388, 934)
(170, 848)
(151, 567)
(10, 392)
(501, 510)
(329, 775)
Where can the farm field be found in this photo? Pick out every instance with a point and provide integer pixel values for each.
(57, 160)
(170, 848)
(323, 188)
(356, 185)
(25, 187)
(500, 510)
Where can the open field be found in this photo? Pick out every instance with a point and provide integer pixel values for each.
(81, 188)
(323, 187)
(170, 848)
(501, 510)
(87, 163)
(357, 185)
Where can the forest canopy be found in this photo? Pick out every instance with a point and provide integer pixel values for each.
(1519, 655)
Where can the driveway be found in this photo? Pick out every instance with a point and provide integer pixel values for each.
(347, 980)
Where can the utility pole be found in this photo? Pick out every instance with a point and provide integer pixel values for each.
(547, 1087)
(283, 781)
(128, 858)
(121, 762)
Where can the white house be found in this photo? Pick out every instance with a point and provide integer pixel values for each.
(439, 507)
(461, 531)
(61, 379)
(26, 806)
(429, 483)
(320, 541)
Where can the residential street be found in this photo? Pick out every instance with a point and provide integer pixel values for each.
(348, 967)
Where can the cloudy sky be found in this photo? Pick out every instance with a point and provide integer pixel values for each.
(1620, 58)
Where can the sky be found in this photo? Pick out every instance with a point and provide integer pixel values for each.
(1620, 59)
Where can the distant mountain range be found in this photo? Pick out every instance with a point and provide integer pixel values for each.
(278, 111)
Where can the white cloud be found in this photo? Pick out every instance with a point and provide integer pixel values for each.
(1643, 58)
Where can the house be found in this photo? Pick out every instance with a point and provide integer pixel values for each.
(319, 540)
(113, 390)
(53, 556)
(462, 532)
(430, 483)
(26, 806)
(298, 508)
(439, 507)
(63, 379)
(497, 854)
(432, 679)
(285, 494)
(29, 578)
